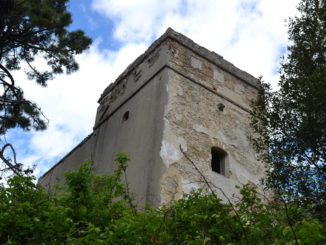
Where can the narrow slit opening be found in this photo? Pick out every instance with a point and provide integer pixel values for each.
(125, 116)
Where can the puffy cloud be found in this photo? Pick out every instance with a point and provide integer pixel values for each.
(70, 103)
(136, 20)
(249, 33)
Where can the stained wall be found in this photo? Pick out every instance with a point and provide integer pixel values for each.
(193, 121)
(171, 94)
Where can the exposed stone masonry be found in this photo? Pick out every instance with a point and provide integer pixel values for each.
(177, 94)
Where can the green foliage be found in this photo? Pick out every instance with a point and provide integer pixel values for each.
(291, 122)
(31, 30)
(98, 209)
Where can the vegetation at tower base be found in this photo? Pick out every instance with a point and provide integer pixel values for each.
(291, 122)
(32, 31)
(98, 209)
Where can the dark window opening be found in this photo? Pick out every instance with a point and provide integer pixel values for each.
(218, 160)
(125, 116)
(220, 106)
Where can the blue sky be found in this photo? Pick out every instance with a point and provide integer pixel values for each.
(251, 34)
(95, 25)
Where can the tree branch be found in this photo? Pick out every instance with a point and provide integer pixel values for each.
(214, 194)
(202, 175)
(8, 74)
(7, 162)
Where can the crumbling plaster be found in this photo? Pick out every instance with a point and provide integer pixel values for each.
(172, 93)
(193, 121)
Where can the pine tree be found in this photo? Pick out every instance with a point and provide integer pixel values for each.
(30, 29)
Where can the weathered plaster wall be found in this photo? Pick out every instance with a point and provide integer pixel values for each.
(139, 137)
(70, 162)
(192, 120)
(171, 93)
(140, 91)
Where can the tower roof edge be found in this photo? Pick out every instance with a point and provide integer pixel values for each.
(190, 44)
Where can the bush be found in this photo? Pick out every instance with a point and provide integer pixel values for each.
(98, 209)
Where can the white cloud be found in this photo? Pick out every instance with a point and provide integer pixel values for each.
(135, 19)
(70, 103)
(248, 33)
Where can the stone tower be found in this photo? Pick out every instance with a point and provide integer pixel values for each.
(177, 95)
